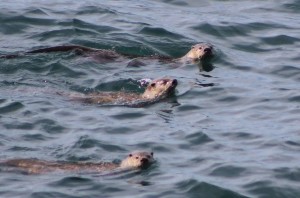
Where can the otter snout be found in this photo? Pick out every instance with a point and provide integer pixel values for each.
(207, 50)
(144, 161)
(174, 82)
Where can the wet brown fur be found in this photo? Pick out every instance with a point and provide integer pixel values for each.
(34, 166)
(198, 52)
(156, 90)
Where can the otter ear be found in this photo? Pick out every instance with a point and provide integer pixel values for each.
(151, 153)
(193, 47)
(130, 155)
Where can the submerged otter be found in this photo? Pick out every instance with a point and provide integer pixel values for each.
(135, 160)
(197, 53)
(156, 90)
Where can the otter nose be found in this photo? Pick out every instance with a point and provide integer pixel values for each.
(207, 50)
(144, 160)
(174, 82)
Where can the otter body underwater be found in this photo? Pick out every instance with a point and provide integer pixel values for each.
(156, 90)
(135, 160)
(196, 54)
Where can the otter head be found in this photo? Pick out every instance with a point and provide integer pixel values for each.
(160, 88)
(199, 52)
(139, 159)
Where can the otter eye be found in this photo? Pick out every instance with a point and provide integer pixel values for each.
(130, 155)
(136, 157)
(151, 153)
(152, 84)
(200, 48)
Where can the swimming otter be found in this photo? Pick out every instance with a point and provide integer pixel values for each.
(135, 160)
(197, 53)
(156, 90)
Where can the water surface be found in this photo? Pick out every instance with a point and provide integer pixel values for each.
(229, 132)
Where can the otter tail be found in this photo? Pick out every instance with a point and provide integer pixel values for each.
(62, 48)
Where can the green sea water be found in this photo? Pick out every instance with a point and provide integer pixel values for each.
(230, 131)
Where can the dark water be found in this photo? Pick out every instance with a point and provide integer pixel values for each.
(230, 132)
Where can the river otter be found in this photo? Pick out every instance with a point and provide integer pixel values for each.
(135, 160)
(197, 53)
(156, 90)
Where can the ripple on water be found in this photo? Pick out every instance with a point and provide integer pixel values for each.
(35, 137)
(19, 125)
(293, 145)
(280, 40)
(72, 181)
(228, 171)
(21, 20)
(159, 31)
(101, 10)
(10, 106)
(194, 188)
(240, 135)
(87, 142)
(266, 188)
(291, 174)
(49, 126)
(287, 71)
(197, 138)
(60, 68)
(36, 12)
(51, 194)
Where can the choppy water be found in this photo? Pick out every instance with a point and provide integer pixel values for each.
(238, 137)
